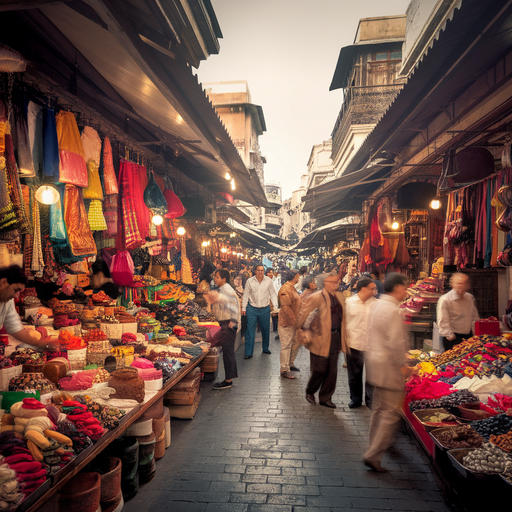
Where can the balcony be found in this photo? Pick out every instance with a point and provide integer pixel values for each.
(274, 200)
(273, 220)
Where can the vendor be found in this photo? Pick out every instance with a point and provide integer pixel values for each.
(101, 279)
(456, 312)
(12, 282)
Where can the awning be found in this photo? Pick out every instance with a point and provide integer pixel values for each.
(330, 234)
(256, 238)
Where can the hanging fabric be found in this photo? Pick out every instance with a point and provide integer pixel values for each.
(37, 264)
(91, 143)
(95, 216)
(21, 144)
(35, 135)
(143, 212)
(110, 213)
(51, 158)
(72, 158)
(108, 172)
(80, 237)
(57, 226)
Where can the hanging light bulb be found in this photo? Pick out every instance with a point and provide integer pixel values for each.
(232, 235)
(227, 176)
(47, 194)
(233, 184)
(157, 220)
(205, 244)
(435, 204)
(395, 225)
(180, 231)
(223, 250)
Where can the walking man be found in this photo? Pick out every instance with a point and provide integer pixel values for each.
(259, 291)
(385, 357)
(357, 314)
(226, 308)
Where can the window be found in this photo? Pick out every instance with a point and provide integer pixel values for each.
(381, 56)
(396, 55)
(389, 55)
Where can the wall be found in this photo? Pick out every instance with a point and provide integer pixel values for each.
(381, 27)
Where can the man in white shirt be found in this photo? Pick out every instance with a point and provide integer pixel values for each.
(12, 282)
(259, 291)
(356, 316)
(456, 312)
(385, 357)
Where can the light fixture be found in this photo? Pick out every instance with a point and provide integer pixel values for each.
(180, 231)
(232, 235)
(47, 194)
(157, 220)
(227, 176)
(233, 184)
(205, 244)
(395, 225)
(223, 250)
(435, 204)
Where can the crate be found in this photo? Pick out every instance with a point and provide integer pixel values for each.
(6, 374)
(181, 397)
(210, 363)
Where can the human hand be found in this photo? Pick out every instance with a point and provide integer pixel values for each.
(243, 313)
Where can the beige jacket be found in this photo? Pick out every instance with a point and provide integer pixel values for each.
(321, 325)
(289, 304)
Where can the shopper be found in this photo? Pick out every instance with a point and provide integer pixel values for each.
(273, 307)
(357, 311)
(325, 337)
(385, 357)
(239, 290)
(226, 308)
(12, 282)
(258, 292)
(277, 286)
(289, 305)
(308, 287)
(456, 312)
(302, 272)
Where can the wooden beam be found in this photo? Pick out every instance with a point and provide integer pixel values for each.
(14, 5)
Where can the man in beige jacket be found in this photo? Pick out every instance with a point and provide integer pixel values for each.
(325, 337)
(385, 357)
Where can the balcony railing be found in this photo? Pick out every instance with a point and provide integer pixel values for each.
(273, 220)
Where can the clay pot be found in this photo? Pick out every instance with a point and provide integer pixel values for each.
(81, 493)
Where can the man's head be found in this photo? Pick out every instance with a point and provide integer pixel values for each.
(395, 284)
(221, 277)
(365, 288)
(12, 281)
(460, 283)
(100, 272)
(303, 270)
(259, 272)
(292, 276)
(329, 281)
(270, 272)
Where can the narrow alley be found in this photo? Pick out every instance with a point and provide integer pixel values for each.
(259, 446)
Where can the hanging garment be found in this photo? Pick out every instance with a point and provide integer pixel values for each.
(91, 143)
(376, 235)
(72, 168)
(51, 159)
(7, 214)
(57, 225)
(402, 257)
(107, 170)
(95, 216)
(143, 212)
(110, 213)
(93, 189)
(21, 143)
(77, 225)
(35, 135)
(37, 264)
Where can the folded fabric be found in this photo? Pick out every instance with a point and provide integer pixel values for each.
(26, 467)
(19, 410)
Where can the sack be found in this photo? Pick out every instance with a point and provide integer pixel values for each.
(504, 222)
(122, 269)
(153, 196)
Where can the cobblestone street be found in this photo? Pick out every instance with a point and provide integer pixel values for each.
(259, 446)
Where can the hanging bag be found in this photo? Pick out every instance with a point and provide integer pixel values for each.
(153, 196)
(122, 269)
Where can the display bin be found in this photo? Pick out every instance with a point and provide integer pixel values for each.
(181, 397)
(6, 374)
(456, 457)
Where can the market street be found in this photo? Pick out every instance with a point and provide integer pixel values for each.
(259, 446)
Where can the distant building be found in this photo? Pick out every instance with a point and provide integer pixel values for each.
(368, 72)
(294, 220)
(273, 220)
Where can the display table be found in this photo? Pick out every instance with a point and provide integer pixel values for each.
(36, 500)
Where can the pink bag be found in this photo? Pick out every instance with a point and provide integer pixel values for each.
(122, 269)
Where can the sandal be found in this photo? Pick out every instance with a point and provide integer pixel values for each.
(288, 375)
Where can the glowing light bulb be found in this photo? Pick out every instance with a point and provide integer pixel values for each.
(47, 195)
(395, 225)
(227, 176)
(205, 244)
(435, 204)
(180, 231)
(157, 220)
(223, 250)
(233, 184)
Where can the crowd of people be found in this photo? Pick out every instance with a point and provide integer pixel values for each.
(328, 313)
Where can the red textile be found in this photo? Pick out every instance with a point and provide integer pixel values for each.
(32, 403)
(80, 236)
(423, 388)
(375, 232)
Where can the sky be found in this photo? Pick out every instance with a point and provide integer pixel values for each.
(287, 51)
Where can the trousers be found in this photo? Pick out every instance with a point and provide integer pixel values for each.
(255, 316)
(324, 371)
(355, 367)
(386, 416)
(448, 345)
(225, 338)
(289, 348)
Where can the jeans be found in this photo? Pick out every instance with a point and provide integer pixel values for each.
(255, 316)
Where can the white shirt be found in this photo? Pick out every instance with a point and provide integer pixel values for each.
(259, 294)
(227, 306)
(9, 319)
(298, 285)
(456, 314)
(276, 280)
(356, 318)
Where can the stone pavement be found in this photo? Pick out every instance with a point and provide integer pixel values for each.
(259, 446)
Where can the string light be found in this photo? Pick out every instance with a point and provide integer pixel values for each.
(227, 176)
(435, 204)
(46, 194)
(181, 231)
(233, 184)
(223, 250)
(157, 220)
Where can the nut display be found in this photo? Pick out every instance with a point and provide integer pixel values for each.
(487, 459)
(503, 441)
(458, 398)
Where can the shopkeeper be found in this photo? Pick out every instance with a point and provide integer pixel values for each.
(12, 282)
(102, 280)
(456, 312)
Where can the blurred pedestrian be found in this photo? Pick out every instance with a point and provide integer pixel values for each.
(239, 290)
(308, 287)
(302, 272)
(289, 305)
(274, 308)
(385, 357)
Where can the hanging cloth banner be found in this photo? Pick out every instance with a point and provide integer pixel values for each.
(22, 144)
(72, 158)
(75, 217)
(51, 159)
(35, 135)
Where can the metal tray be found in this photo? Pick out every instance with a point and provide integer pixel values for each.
(456, 457)
(433, 435)
(425, 413)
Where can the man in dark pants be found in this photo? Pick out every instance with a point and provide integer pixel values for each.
(325, 337)
(225, 307)
(357, 311)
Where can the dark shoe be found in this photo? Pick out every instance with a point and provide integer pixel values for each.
(311, 399)
(277, 337)
(267, 352)
(223, 385)
(294, 369)
(288, 375)
(247, 357)
(375, 467)
(328, 403)
(353, 404)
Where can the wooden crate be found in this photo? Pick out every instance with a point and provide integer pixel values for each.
(210, 363)
(181, 397)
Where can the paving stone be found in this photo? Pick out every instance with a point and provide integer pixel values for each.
(226, 507)
(255, 479)
(291, 480)
(264, 488)
(286, 499)
(233, 468)
(266, 507)
(371, 503)
(248, 498)
(262, 470)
